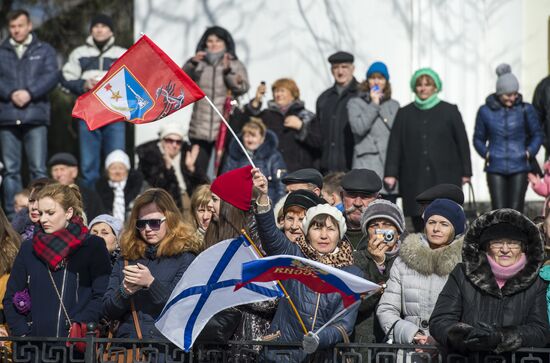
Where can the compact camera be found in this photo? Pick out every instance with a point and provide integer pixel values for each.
(387, 235)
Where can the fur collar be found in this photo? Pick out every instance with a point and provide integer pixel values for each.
(476, 266)
(417, 254)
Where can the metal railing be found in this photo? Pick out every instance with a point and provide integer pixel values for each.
(103, 350)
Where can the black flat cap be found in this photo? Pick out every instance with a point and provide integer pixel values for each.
(308, 175)
(446, 191)
(361, 181)
(62, 159)
(302, 198)
(341, 57)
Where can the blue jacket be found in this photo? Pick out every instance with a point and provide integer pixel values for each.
(37, 72)
(267, 158)
(503, 135)
(167, 272)
(275, 243)
(81, 283)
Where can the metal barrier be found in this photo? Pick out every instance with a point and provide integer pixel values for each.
(102, 350)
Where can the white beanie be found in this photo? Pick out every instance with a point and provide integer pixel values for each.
(325, 209)
(117, 156)
(170, 128)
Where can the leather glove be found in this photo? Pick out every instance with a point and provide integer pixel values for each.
(483, 337)
(456, 336)
(310, 342)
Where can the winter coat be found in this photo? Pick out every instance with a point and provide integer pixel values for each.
(37, 72)
(518, 310)
(545, 275)
(416, 279)
(81, 283)
(135, 185)
(149, 303)
(335, 138)
(274, 242)
(91, 201)
(153, 169)
(426, 148)
(267, 158)
(215, 83)
(88, 62)
(367, 327)
(541, 102)
(294, 145)
(371, 126)
(503, 135)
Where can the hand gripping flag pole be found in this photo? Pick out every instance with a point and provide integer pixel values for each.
(235, 136)
(278, 282)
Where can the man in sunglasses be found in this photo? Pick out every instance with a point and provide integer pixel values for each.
(169, 163)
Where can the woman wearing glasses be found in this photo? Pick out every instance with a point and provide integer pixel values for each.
(494, 301)
(157, 247)
(169, 163)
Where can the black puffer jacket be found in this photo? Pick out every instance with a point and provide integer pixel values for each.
(134, 186)
(471, 294)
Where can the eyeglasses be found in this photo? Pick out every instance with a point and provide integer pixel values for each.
(154, 224)
(513, 245)
(172, 141)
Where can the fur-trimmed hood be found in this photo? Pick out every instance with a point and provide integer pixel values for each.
(417, 254)
(477, 268)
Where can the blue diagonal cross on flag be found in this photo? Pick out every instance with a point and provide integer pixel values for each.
(200, 295)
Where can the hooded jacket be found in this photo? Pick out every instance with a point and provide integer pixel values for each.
(416, 278)
(267, 158)
(37, 72)
(471, 295)
(503, 135)
(215, 83)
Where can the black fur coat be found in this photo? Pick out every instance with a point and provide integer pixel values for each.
(471, 295)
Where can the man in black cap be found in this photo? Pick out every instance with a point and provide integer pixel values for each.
(86, 66)
(64, 169)
(335, 138)
(308, 179)
(360, 188)
(439, 191)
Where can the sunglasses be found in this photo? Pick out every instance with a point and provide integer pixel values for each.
(154, 224)
(172, 141)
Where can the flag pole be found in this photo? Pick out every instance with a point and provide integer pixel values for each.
(279, 283)
(331, 320)
(232, 132)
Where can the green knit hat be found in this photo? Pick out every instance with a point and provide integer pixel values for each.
(428, 72)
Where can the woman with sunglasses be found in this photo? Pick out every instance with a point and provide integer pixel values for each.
(169, 163)
(494, 301)
(156, 249)
(62, 271)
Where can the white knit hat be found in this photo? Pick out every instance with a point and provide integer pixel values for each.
(117, 156)
(325, 209)
(171, 128)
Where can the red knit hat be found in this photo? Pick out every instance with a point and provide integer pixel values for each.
(235, 187)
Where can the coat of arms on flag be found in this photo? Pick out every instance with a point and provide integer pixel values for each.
(122, 93)
(143, 85)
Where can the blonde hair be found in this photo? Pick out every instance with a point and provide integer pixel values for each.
(200, 198)
(68, 196)
(255, 124)
(180, 236)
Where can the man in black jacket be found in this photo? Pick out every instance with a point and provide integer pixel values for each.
(336, 139)
(28, 72)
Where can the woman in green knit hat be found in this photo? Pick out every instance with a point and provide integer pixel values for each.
(428, 144)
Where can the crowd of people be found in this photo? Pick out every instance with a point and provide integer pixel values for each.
(100, 241)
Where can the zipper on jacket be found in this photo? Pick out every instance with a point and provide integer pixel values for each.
(60, 302)
(77, 285)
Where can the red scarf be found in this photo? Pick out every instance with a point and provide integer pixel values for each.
(53, 248)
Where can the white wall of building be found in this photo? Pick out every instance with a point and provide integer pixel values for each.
(462, 40)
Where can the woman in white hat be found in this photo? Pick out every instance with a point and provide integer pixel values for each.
(120, 185)
(324, 227)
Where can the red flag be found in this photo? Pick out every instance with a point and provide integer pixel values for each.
(143, 85)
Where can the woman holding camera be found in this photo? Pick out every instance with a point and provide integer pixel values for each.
(419, 273)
